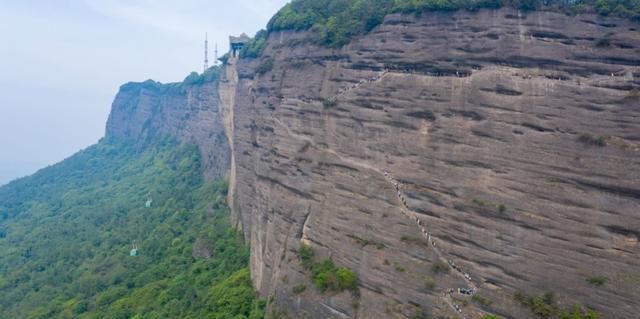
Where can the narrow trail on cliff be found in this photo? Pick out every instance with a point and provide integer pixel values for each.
(343, 91)
(447, 294)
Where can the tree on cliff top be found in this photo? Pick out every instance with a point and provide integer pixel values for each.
(337, 21)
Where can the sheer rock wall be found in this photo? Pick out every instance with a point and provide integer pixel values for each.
(515, 139)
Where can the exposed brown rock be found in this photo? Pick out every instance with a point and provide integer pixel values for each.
(515, 139)
(147, 111)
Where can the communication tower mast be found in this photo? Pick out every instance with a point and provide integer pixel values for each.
(206, 52)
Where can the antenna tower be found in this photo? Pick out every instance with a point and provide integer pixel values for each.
(206, 52)
(216, 54)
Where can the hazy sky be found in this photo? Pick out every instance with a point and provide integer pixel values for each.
(62, 61)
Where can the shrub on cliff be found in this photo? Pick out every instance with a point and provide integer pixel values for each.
(254, 47)
(193, 79)
(546, 307)
(596, 280)
(265, 66)
(329, 101)
(209, 75)
(439, 267)
(326, 275)
(299, 289)
(592, 140)
(306, 254)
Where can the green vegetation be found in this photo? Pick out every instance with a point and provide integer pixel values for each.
(633, 94)
(596, 280)
(479, 202)
(326, 276)
(210, 75)
(224, 59)
(429, 283)
(439, 268)
(329, 102)
(336, 22)
(544, 306)
(234, 298)
(254, 47)
(306, 255)
(483, 203)
(579, 313)
(604, 41)
(68, 229)
(412, 311)
(419, 313)
(299, 289)
(414, 240)
(367, 242)
(628, 278)
(481, 300)
(490, 317)
(593, 140)
(265, 66)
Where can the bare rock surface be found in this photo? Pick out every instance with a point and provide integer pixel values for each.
(147, 111)
(514, 139)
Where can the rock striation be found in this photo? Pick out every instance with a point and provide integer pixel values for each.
(514, 139)
(148, 111)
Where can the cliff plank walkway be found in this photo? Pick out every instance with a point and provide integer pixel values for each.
(375, 78)
(447, 294)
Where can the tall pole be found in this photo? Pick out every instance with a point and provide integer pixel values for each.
(206, 52)
(216, 55)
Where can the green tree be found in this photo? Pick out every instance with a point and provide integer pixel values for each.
(69, 228)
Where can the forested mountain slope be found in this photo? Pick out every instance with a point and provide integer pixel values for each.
(67, 232)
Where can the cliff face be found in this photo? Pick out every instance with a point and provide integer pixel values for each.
(143, 112)
(514, 139)
(227, 87)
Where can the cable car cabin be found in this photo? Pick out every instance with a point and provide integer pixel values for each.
(148, 203)
(133, 253)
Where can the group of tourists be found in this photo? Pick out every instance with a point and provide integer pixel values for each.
(407, 211)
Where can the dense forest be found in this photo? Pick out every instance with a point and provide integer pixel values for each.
(67, 235)
(337, 21)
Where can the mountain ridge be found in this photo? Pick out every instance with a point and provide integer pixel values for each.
(436, 153)
(187, 111)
